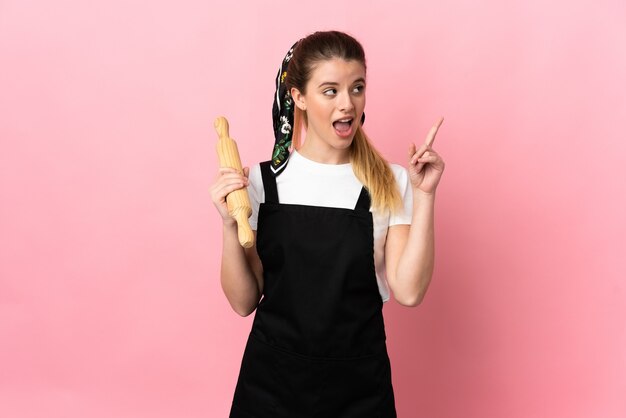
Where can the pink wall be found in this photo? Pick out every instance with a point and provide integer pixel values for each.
(110, 302)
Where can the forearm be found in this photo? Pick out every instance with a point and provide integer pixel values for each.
(416, 264)
(237, 278)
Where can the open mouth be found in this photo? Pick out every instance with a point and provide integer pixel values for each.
(343, 125)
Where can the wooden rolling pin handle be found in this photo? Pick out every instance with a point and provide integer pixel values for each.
(221, 126)
(237, 201)
(244, 231)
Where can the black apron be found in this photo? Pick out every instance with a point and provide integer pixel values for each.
(317, 347)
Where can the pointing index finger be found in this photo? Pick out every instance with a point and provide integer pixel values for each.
(433, 131)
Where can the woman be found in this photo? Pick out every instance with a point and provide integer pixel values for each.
(338, 227)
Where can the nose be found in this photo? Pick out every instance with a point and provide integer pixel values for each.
(345, 103)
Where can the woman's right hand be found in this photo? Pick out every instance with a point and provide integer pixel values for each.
(227, 180)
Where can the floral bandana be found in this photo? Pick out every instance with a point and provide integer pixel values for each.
(283, 115)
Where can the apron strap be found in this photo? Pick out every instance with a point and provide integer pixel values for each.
(269, 183)
(364, 201)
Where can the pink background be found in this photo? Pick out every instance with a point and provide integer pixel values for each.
(110, 301)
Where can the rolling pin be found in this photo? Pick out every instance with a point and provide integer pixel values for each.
(238, 201)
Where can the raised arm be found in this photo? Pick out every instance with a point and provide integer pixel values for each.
(410, 250)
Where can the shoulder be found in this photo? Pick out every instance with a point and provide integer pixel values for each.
(403, 215)
(255, 186)
(398, 170)
(401, 175)
(255, 173)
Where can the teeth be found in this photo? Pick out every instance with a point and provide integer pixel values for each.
(344, 120)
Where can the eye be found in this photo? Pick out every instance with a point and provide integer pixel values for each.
(360, 87)
(326, 91)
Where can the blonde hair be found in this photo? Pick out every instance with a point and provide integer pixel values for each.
(368, 165)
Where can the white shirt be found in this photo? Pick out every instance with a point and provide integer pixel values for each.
(305, 182)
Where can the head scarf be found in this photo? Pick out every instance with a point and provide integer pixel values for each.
(282, 116)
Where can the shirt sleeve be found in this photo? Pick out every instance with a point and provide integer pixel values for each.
(255, 193)
(405, 213)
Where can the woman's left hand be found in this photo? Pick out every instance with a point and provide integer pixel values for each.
(425, 165)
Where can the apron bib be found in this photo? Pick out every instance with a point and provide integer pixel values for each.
(317, 347)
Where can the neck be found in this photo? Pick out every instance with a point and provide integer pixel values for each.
(324, 154)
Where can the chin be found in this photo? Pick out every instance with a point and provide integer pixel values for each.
(344, 144)
(339, 141)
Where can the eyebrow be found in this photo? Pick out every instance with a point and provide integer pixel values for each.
(332, 83)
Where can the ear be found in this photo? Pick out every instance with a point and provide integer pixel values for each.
(298, 98)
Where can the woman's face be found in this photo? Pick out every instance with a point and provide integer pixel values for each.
(336, 91)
